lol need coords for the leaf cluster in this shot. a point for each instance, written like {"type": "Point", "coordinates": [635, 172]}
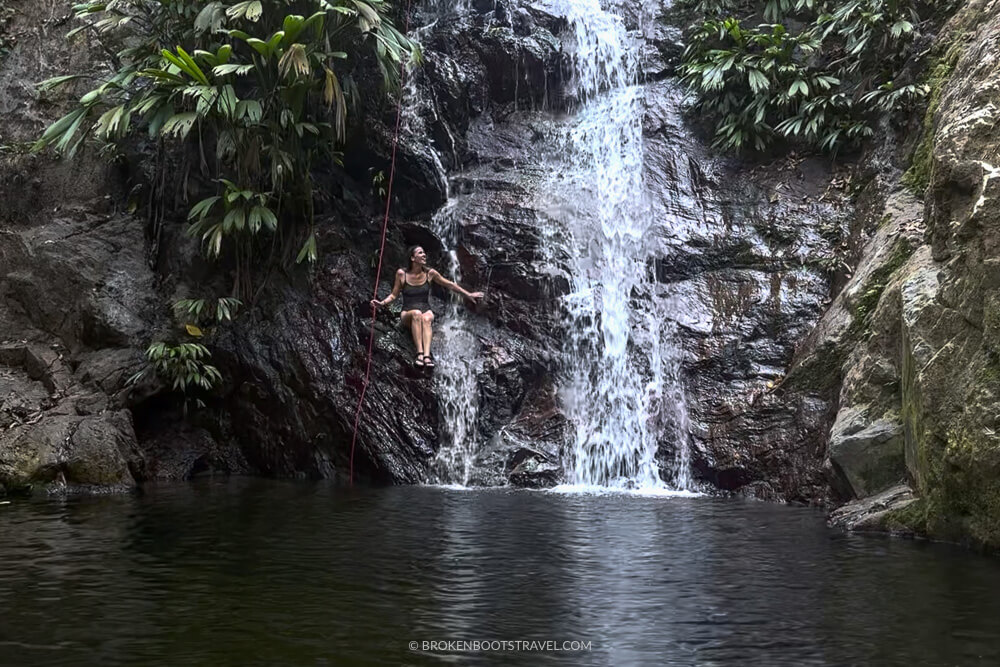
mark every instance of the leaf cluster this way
{"type": "Point", "coordinates": [822, 85]}
{"type": "Point", "coordinates": [183, 366]}
{"type": "Point", "coordinates": [198, 311]}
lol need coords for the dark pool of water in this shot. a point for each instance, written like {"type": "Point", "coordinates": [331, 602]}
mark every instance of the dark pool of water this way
{"type": "Point", "coordinates": [267, 573]}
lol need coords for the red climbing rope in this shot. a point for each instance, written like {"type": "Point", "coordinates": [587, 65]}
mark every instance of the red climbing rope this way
{"type": "Point", "coordinates": [381, 249]}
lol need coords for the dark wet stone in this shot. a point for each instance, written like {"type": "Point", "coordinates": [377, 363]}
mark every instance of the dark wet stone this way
{"type": "Point", "coordinates": [180, 451]}
{"type": "Point", "coordinates": [534, 472]}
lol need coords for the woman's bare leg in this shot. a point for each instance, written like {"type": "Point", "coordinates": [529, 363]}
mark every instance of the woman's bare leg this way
{"type": "Point", "coordinates": [412, 319]}
{"type": "Point", "coordinates": [427, 319]}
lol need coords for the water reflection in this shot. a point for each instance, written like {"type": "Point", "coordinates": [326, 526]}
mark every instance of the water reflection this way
{"type": "Point", "coordinates": [251, 572]}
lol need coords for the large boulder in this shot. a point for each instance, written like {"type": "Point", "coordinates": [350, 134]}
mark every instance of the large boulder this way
{"type": "Point", "coordinates": [868, 456]}
{"type": "Point", "coordinates": [57, 432]}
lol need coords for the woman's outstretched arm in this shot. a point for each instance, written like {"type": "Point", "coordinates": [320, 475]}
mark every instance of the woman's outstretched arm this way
{"type": "Point", "coordinates": [454, 287]}
{"type": "Point", "coordinates": [396, 286]}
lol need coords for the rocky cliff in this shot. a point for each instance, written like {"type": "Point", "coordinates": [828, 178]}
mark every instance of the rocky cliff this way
{"type": "Point", "coordinates": [917, 326]}
{"type": "Point", "coordinates": [834, 325]}
{"type": "Point", "coordinates": [86, 284]}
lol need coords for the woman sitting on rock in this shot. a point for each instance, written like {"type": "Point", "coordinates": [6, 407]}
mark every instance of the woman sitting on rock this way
{"type": "Point", "coordinates": [415, 284]}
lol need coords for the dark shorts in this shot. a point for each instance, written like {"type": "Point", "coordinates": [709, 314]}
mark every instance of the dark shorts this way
{"type": "Point", "coordinates": [422, 307]}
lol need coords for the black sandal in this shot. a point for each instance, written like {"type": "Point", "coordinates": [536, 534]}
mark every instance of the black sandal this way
{"type": "Point", "coordinates": [419, 361]}
{"type": "Point", "coordinates": [428, 361]}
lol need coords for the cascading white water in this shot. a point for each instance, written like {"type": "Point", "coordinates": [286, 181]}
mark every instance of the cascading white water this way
{"type": "Point", "coordinates": [622, 390]}
{"type": "Point", "coordinates": [455, 349]}
{"type": "Point", "coordinates": [623, 382]}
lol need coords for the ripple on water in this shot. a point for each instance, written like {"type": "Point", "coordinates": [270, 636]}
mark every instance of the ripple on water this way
{"type": "Point", "coordinates": [260, 573]}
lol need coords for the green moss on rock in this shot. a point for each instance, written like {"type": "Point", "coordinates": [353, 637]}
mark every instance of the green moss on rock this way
{"type": "Point", "coordinates": [960, 474]}
{"type": "Point", "coordinates": [960, 495]}
{"type": "Point", "coordinates": [967, 497]}
{"type": "Point", "coordinates": [819, 372]}
{"type": "Point", "coordinates": [873, 288]}
{"type": "Point", "coordinates": [910, 519]}
{"type": "Point", "coordinates": [918, 176]}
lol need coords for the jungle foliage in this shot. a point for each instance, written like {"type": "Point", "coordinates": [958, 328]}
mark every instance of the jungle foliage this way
{"type": "Point", "coordinates": [184, 366]}
{"type": "Point", "coordinates": [262, 87]}
{"type": "Point", "coordinates": [816, 72]}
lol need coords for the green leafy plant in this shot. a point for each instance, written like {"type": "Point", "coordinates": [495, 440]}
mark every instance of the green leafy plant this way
{"type": "Point", "coordinates": [261, 88]}
{"type": "Point", "coordinates": [183, 366]}
{"type": "Point", "coordinates": [379, 185]}
{"type": "Point", "coordinates": [868, 30]}
{"type": "Point", "coordinates": [755, 81]}
{"type": "Point", "coordinates": [201, 310]}
{"type": "Point", "coordinates": [711, 8]}
{"type": "Point", "coordinates": [820, 86]}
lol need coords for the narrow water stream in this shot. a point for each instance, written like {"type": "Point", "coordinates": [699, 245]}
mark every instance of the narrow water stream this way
{"type": "Point", "coordinates": [456, 352]}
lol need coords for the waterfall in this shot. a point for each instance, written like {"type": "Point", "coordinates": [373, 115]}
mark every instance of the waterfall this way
{"type": "Point", "coordinates": [456, 350]}
{"type": "Point", "coordinates": [621, 388]}
{"type": "Point", "coordinates": [454, 347]}
{"type": "Point", "coordinates": [622, 385]}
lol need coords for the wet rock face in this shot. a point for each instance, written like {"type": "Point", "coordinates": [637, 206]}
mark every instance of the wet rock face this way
{"type": "Point", "coordinates": [59, 431]}
{"type": "Point", "coordinates": [69, 279]}
{"type": "Point", "coordinates": [527, 451]}
{"type": "Point", "coordinates": [78, 300]}
{"type": "Point", "coordinates": [74, 303]}
{"type": "Point", "coordinates": [296, 370]}
{"type": "Point", "coordinates": [743, 253]}
{"type": "Point", "coordinates": [296, 377]}
{"type": "Point", "coordinates": [499, 56]}
{"type": "Point", "coordinates": [77, 306]}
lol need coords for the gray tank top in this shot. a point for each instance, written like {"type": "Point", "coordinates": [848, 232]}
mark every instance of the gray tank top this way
{"type": "Point", "coordinates": [416, 295]}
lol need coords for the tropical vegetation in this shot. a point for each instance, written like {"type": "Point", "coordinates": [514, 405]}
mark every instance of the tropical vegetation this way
{"type": "Point", "coordinates": [261, 88]}
{"type": "Point", "coordinates": [813, 72]}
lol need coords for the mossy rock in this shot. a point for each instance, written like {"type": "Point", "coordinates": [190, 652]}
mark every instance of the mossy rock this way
{"type": "Point", "coordinates": [908, 520]}
{"type": "Point", "coordinates": [969, 494]}
{"type": "Point", "coordinates": [960, 475]}
{"type": "Point", "coordinates": [918, 176]}
{"type": "Point", "coordinates": [871, 292]}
